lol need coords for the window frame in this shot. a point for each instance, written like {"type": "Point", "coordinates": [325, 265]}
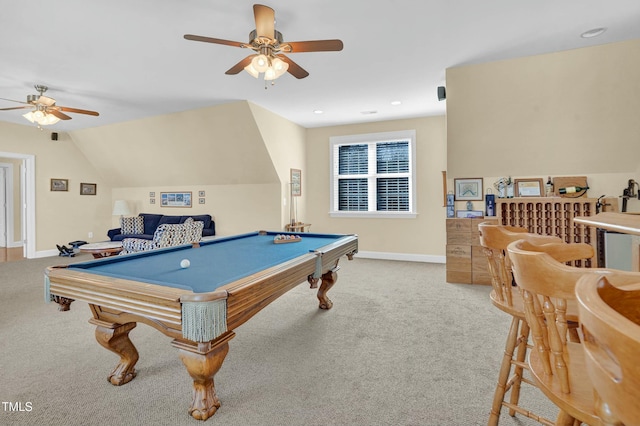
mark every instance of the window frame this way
{"type": "Point", "coordinates": [373, 139]}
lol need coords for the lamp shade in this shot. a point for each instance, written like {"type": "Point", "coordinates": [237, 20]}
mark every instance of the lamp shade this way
{"type": "Point", "coordinates": [260, 63]}
{"type": "Point", "coordinates": [41, 118]}
{"type": "Point", "coordinates": [121, 208]}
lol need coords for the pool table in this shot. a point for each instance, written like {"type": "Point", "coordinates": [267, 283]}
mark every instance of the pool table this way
{"type": "Point", "coordinates": [228, 281]}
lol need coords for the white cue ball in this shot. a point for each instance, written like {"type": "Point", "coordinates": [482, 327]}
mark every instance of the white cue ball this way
{"type": "Point", "coordinates": [184, 263]}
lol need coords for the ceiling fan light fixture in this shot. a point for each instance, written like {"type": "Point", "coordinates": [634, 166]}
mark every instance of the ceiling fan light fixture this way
{"type": "Point", "coordinates": [260, 63]}
{"type": "Point", "coordinates": [29, 116]}
{"type": "Point", "coordinates": [279, 66]}
{"type": "Point", "coordinates": [252, 71]}
{"type": "Point", "coordinates": [41, 118]}
{"type": "Point", "coordinates": [270, 74]}
{"type": "Point", "coordinates": [48, 119]}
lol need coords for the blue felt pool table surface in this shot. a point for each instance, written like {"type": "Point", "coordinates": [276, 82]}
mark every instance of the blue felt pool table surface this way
{"type": "Point", "coordinates": [215, 263]}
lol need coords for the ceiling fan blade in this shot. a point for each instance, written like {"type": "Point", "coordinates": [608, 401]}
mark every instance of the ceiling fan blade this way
{"type": "Point", "coordinates": [294, 69]}
{"type": "Point", "coordinates": [59, 114]}
{"type": "Point", "coordinates": [12, 100]}
{"type": "Point", "coordinates": [213, 40]}
{"type": "Point", "coordinates": [76, 110]}
{"type": "Point", "coordinates": [265, 20]}
{"type": "Point", "coordinates": [9, 109]}
{"type": "Point", "coordinates": [237, 68]}
{"type": "Point", "coordinates": [314, 46]}
{"type": "Point", "coordinates": [46, 101]}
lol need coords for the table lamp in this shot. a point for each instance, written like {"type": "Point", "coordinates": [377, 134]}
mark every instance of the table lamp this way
{"type": "Point", "coordinates": [121, 208]}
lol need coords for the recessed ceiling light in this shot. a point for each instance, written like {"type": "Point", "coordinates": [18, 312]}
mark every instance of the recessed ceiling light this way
{"type": "Point", "coordinates": [368, 112]}
{"type": "Point", "coordinates": [318, 111]}
{"type": "Point", "coordinates": [593, 33]}
{"type": "Point", "coordinates": [394, 103]}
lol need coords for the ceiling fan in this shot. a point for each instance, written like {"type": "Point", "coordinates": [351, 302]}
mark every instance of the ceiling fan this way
{"type": "Point", "coordinates": [268, 45]}
{"type": "Point", "coordinates": [44, 110]}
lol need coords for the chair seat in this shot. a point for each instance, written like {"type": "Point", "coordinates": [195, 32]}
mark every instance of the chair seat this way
{"type": "Point", "coordinates": [580, 402]}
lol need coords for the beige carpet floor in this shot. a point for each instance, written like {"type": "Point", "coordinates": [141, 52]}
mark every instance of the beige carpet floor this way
{"type": "Point", "coordinates": [399, 347]}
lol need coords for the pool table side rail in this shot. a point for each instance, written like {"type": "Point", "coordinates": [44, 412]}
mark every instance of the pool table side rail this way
{"type": "Point", "coordinates": [148, 300]}
{"type": "Point", "coordinates": [248, 297]}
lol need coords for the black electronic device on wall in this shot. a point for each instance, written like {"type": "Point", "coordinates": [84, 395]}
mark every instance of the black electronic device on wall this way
{"type": "Point", "coordinates": [442, 93]}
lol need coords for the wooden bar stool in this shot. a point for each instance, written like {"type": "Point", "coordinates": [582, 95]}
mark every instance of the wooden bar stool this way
{"type": "Point", "coordinates": [610, 321]}
{"type": "Point", "coordinates": [505, 296]}
{"type": "Point", "coordinates": [557, 363]}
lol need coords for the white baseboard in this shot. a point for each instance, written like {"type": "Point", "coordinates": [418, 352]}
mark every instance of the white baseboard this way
{"type": "Point", "coordinates": [407, 257]}
{"type": "Point", "coordinates": [46, 253]}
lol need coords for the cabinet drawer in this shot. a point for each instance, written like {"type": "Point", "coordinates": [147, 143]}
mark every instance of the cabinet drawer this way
{"type": "Point", "coordinates": [460, 277]}
{"type": "Point", "coordinates": [458, 225]}
{"type": "Point", "coordinates": [460, 238]}
{"type": "Point", "coordinates": [459, 251]}
{"type": "Point", "coordinates": [458, 258]}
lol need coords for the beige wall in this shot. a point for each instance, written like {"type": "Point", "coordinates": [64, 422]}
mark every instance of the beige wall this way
{"type": "Point", "coordinates": [285, 142]}
{"type": "Point", "coordinates": [236, 209]}
{"type": "Point", "coordinates": [61, 217]}
{"type": "Point", "coordinates": [217, 145]}
{"type": "Point", "coordinates": [418, 239]}
{"type": "Point", "coordinates": [567, 113]}
{"type": "Point", "coordinates": [239, 154]}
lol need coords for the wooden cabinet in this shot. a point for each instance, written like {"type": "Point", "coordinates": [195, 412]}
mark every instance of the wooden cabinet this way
{"type": "Point", "coordinates": [552, 216]}
{"type": "Point", "coordinates": [466, 263]}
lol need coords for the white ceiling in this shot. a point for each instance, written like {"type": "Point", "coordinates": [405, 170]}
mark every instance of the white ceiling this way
{"type": "Point", "coordinates": [128, 59]}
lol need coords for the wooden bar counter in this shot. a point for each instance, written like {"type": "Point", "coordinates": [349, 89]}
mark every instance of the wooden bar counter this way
{"type": "Point", "coordinates": [625, 223]}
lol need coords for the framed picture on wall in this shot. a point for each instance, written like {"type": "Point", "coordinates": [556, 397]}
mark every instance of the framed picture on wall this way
{"type": "Point", "coordinates": [296, 182]}
{"type": "Point", "coordinates": [469, 213]}
{"type": "Point", "coordinates": [59, 184]}
{"type": "Point", "coordinates": [175, 199]}
{"type": "Point", "coordinates": [469, 189]}
{"type": "Point", "coordinates": [528, 188]}
{"type": "Point", "coordinates": [88, 188]}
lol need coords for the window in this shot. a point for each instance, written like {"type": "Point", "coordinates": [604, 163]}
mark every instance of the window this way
{"type": "Point", "coordinates": [373, 175]}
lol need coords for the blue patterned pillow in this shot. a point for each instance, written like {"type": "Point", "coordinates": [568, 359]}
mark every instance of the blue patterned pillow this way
{"type": "Point", "coordinates": [132, 225]}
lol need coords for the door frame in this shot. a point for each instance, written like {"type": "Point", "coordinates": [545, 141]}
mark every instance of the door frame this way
{"type": "Point", "coordinates": [28, 201]}
{"type": "Point", "coordinates": [6, 205]}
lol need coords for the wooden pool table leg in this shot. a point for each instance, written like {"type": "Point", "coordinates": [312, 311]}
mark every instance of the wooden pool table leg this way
{"type": "Point", "coordinates": [115, 337]}
{"type": "Point", "coordinates": [329, 278]}
{"type": "Point", "coordinates": [203, 360]}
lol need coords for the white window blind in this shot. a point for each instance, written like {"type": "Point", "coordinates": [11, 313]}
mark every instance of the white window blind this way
{"type": "Point", "coordinates": [373, 174]}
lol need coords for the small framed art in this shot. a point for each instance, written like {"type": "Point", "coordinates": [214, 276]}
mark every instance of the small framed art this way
{"type": "Point", "coordinates": [59, 184]}
{"type": "Point", "coordinates": [468, 189]}
{"type": "Point", "coordinates": [469, 213]}
{"type": "Point", "coordinates": [296, 182]}
{"type": "Point", "coordinates": [528, 188]}
{"type": "Point", "coordinates": [175, 199]}
{"type": "Point", "coordinates": [88, 188]}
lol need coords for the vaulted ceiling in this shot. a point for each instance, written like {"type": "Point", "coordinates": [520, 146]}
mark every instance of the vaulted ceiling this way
{"type": "Point", "coordinates": [128, 59]}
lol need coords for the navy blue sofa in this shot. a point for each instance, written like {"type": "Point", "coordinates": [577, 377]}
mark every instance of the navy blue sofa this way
{"type": "Point", "coordinates": [152, 221]}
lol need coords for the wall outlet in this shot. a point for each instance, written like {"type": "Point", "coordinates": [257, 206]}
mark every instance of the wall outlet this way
{"type": "Point", "coordinates": [90, 234]}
